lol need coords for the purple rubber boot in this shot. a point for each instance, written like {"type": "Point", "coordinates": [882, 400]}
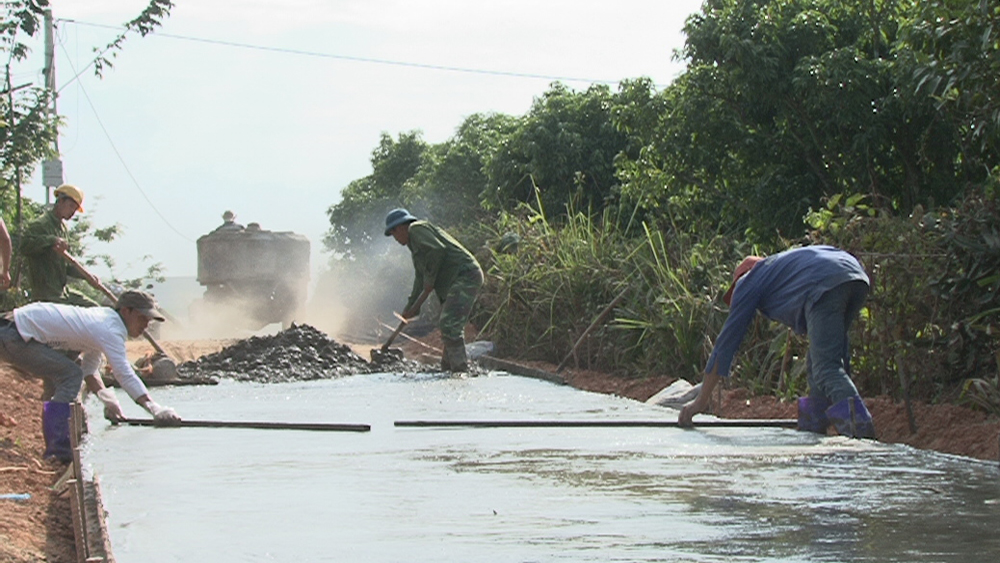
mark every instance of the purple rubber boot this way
{"type": "Point", "coordinates": [812, 414]}
{"type": "Point", "coordinates": [55, 428]}
{"type": "Point", "coordinates": [851, 418]}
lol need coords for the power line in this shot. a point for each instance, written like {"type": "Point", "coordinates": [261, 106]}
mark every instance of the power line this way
{"type": "Point", "coordinates": [350, 58]}
{"type": "Point", "coordinates": [111, 142]}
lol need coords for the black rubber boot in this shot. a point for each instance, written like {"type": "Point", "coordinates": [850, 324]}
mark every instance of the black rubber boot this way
{"type": "Point", "coordinates": [453, 357]}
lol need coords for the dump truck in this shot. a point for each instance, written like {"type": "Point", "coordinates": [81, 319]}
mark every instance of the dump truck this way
{"type": "Point", "coordinates": [252, 277]}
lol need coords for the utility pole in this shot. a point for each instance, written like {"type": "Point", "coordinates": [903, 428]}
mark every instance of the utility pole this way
{"type": "Point", "coordinates": [52, 170]}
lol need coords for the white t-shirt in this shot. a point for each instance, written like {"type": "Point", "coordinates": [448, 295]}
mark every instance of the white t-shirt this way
{"type": "Point", "coordinates": [89, 330]}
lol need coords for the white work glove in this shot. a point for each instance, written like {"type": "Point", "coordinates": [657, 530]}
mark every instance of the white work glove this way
{"type": "Point", "coordinates": [162, 415]}
{"type": "Point", "coordinates": [112, 408]}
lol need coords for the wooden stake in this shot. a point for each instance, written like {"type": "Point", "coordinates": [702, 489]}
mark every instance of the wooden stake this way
{"type": "Point", "coordinates": [593, 325]}
{"type": "Point", "coordinates": [76, 499]}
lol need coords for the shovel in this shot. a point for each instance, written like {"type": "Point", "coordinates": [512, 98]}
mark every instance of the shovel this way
{"type": "Point", "coordinates": [163, 367]}
{"type": "Point", "coordinates": [384, 354]}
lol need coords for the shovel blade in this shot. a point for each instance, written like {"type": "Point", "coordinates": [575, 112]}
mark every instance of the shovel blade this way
{"type": "Point", "coordinates": [389, 355]}
{"type": "Point", "coordinates": [164, 369]}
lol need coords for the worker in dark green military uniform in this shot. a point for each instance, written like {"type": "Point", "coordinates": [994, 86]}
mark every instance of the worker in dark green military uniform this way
{"type": "Point", "coordinates": [42, 245]}
{"type": "Point", "coordinates": [443, 265]}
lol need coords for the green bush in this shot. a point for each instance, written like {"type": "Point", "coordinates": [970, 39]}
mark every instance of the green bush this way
{"type": "Point", "coordinates": [927, 330]}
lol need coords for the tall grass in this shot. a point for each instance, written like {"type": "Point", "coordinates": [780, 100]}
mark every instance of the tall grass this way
{"type": "Point", "coordinates": [929, 325]}
{"type": "Point", "coordinates": [539, 297]}
{"type": "Point", "coordinates": [539, 300]}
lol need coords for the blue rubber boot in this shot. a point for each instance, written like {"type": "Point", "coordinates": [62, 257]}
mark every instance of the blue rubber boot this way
{"type": "Point", "coordinates": [55, 428]}
{"type": "Point", "coordinates": [851, 418]}
{"type": "Point", "coordinates": [812, 414]}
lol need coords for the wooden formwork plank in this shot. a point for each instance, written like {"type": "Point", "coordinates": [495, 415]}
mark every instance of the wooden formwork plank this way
{"type": "Point", "coordinates": [97, 524]}
{"type": "Point", "coordinates": [489, 362]}
{"type": "Point", "coordinates": [76, 515]}
{"type": "Point", "coordinates": [76, 498]}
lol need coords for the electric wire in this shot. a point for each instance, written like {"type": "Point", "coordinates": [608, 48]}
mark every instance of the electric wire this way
{"type": "Point", "coordinates": [280, 50]}
{"type": "Point", "coordinates": [118, 154]}
{"type": "Point", "coordinates": [351, 58]}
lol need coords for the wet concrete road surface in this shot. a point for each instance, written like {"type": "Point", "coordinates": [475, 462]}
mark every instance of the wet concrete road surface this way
{"type": "Point", "coordinates": [516, 494]}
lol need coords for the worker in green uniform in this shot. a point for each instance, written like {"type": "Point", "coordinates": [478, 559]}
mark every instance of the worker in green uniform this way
{"type": "Point", "coordinates": [42, 245]}
{"type": "Point", "coordinates": [444, 266]}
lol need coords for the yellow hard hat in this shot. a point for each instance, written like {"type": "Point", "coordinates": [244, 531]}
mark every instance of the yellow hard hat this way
{"type": "Point", "coordinates": [72, 192]}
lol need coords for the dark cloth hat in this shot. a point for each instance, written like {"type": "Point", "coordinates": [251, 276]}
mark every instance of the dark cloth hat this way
{"type": "Point", "coordinates": [397, 217]}
{"type": "Point", "coordinates": [142, 302]}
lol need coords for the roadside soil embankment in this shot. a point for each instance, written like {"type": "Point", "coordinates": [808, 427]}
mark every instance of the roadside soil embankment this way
{"type": "Point", "coordinates": [40, 528]}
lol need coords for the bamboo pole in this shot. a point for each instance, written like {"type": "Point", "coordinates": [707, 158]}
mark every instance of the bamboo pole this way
{"type": "Point", "coordinates": [254, 425]}
{"type": "Point", "coordinates": [593, 325]}
{"type": "Point", "coordinates": [729, 423]}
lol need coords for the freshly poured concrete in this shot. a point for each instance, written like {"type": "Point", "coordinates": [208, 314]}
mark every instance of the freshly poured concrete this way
{"type": "Point", "coordinates": [528, 494]}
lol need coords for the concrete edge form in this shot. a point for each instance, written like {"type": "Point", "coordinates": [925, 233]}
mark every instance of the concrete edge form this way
{"type": "Point", "coordinates": [95, 516]}
{"type": "Point", "coordinates": [490, 362]}
{"type": "Point", "coordinates": [90, 528]}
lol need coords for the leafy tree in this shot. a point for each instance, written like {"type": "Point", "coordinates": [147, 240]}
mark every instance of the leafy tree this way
{"type": "Point", "coordinates": [955, 47]}
{"type": "Point", "coordinates": [146, 22]}
{"type": "Point", "coordinates": [30, 129]}
{"type": "Point", "coordinates": [784, 103]}
{"type": "Point", "coordinates": [451, 184]}
{"type": "Point", "coordinates": [565, 147]}
{"type": "Point", "coordinates": [359, 216]}
{"type": "Point", "coordinates": [679, 171]}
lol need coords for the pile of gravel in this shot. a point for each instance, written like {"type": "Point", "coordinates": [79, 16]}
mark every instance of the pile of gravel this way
{"type": "Point", "coordinates": [298, 353]}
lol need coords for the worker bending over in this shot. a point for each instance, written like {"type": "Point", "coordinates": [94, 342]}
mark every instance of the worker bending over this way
{"type": "Point", "coordinates": [33, 338]}
{"type": "Point", "coordinates": [817, 291]}
{"type": "Point", "coordinates": [443, 265]}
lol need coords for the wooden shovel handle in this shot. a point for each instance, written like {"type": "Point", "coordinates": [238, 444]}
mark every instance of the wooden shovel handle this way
{"type": "Point", "coordinates": [403, 323]}
{"type": "Point", "coordinates": [96, 284]}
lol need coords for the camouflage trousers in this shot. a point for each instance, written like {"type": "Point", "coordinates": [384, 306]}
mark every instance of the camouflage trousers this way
{"type": "Point", "coordinates": [458, 304]}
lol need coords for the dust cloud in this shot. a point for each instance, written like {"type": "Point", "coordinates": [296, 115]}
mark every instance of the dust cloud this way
{"type": "Point", "coordinates": [354, 299]}
{"type": "Point", "coordinates": [230, 319]}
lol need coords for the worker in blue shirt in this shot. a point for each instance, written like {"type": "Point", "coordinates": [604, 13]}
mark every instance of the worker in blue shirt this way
{"type": "Point", "coordinates": [816, 291]}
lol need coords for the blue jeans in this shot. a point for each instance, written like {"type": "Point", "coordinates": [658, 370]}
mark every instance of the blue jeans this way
{"type": "Point", "coordinates": [41, 361]}
{"type": "Point", "coordinates": [829, 358]}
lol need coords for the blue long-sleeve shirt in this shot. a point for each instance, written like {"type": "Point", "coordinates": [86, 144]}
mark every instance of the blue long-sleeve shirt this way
{"type": "Point", "coordinates": [783, 288]}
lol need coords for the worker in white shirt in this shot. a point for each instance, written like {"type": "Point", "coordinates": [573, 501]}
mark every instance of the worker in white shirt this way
{"type": "Point", "coordinates": [34, 338]}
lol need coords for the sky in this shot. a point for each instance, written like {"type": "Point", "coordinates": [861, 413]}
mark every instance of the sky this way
{"type": "Point", "coordinates": [269, 108]}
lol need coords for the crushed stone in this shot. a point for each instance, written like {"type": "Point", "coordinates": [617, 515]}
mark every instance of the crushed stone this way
{"type": "Point", "coordinates": [299, 353]}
